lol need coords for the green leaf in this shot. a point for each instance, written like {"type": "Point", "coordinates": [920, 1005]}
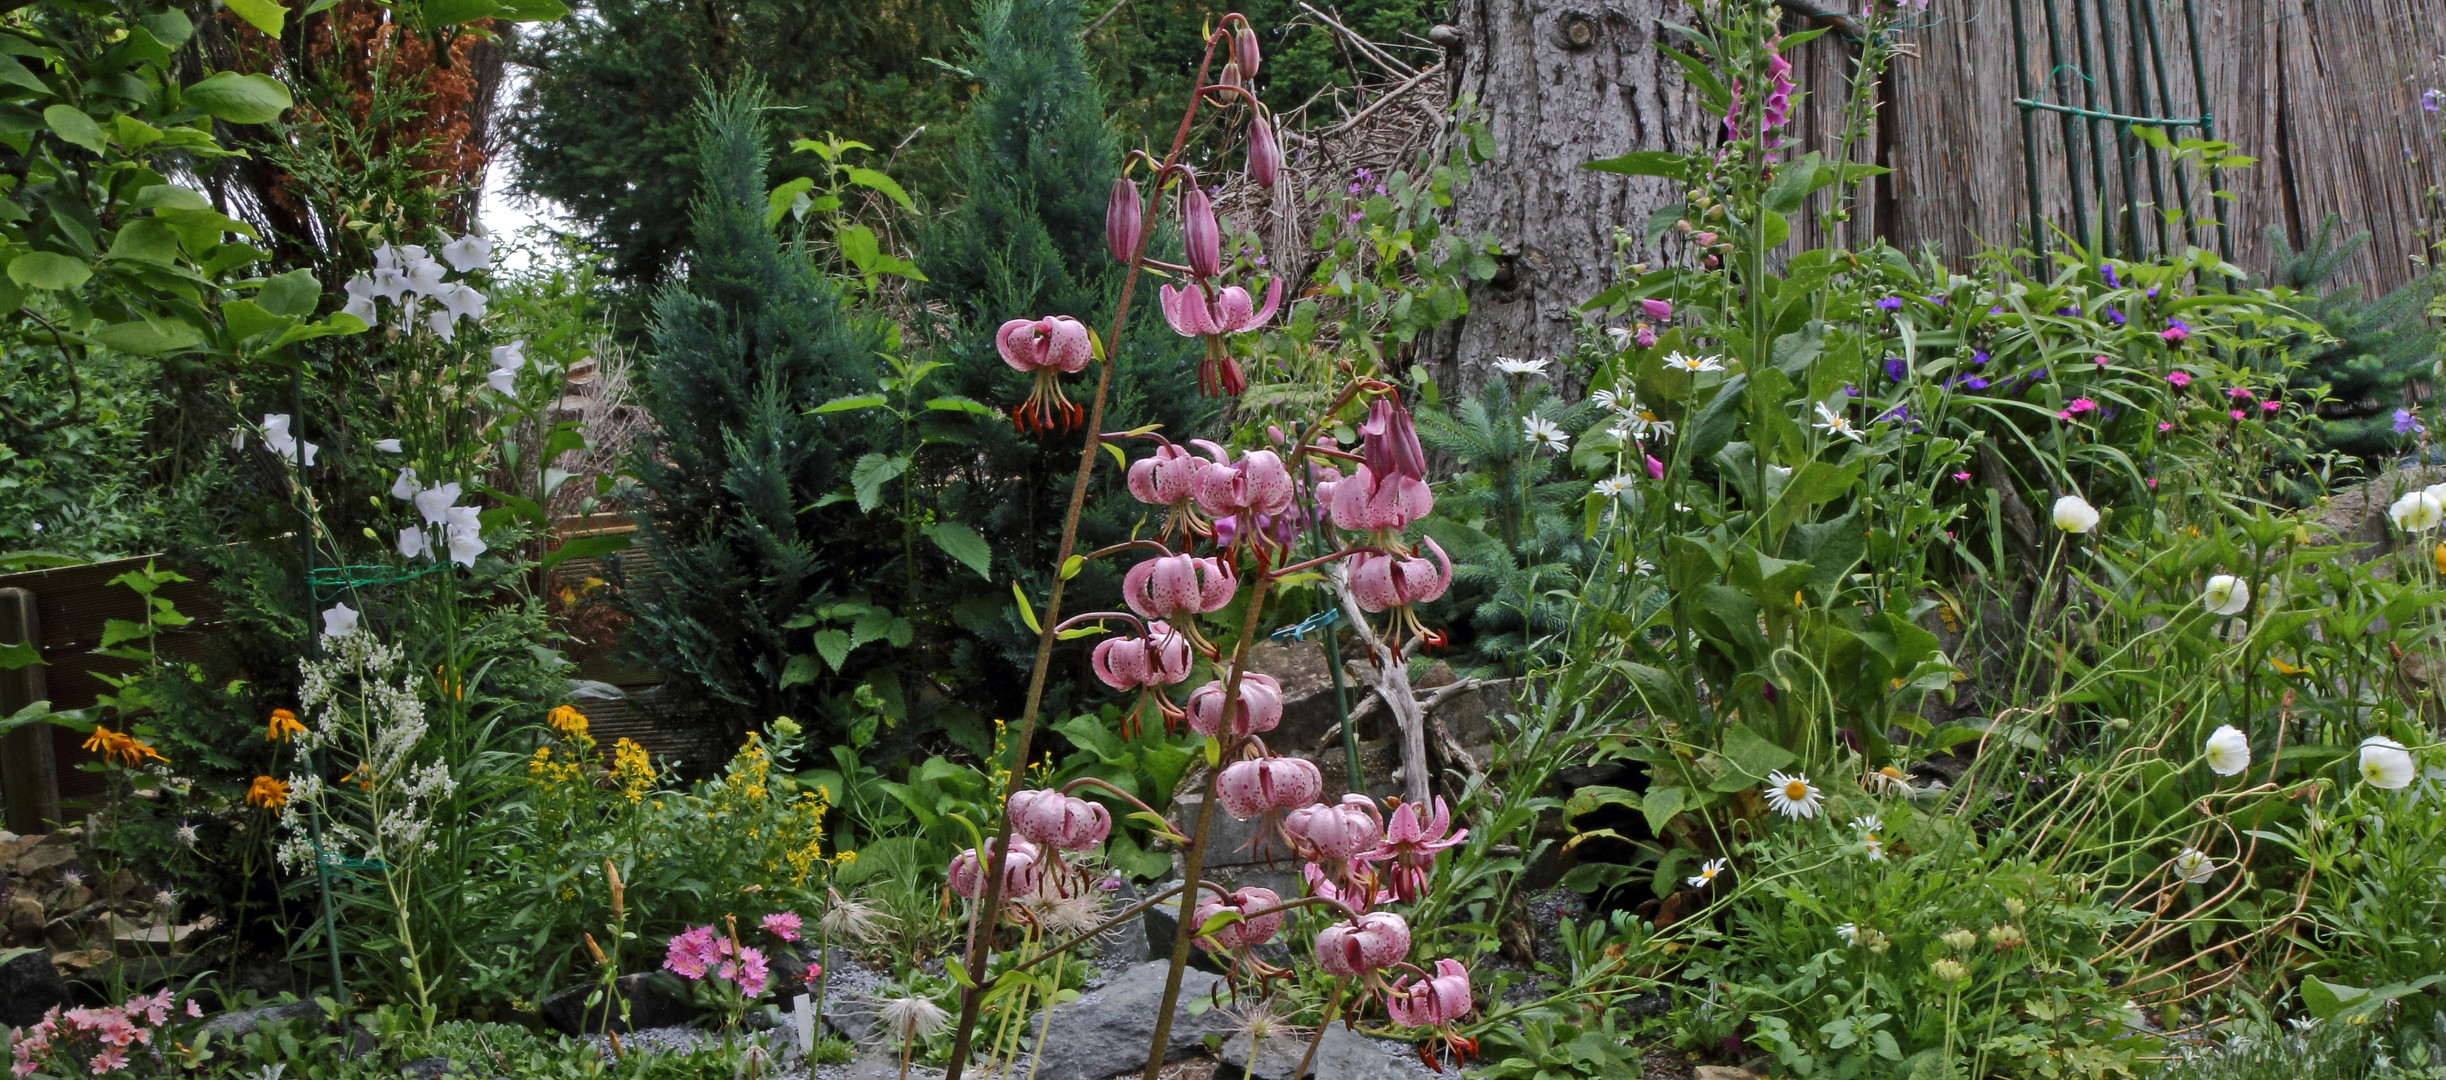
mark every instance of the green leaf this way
{"type": "Point", "coordinates": [147, 338]}
{"type": "Point", "coordinates": [1660, 805]}
{"type": "Point", "coordinates": [533, 11]}
{"type": "Point", "coordinates": [13, 73]}
{"type": "Point", "coordinates": [71, 123]}
{"type": "Point", "coordinates": [48, 270]}
{"type": "Point", "coordinates": [1027, 612]}
{"type": "Point", "coordinates": [859, 245]}
{"type": "Point", "coordinates": [1072, 565]}
{"type": "Point", "coordinates": [1753, 754]}
{"type": "Point", "coordinates": [962, 543]}
{"type": "Point", "coordinates": [294, 293]}
{"type": "Point", "coordinates": [587, 547]}
{"type": "Point", "coordinates": [145, 240]}
{"type": "Point", "coordinates": [441, 13]}
{"type": "Point", "coordinates": [2327, 1000]}
{"type": "Point", "coordinates": [835, 646]}
{"type": "Point", "coordinates": [778, 203]}
{"type": "Point", "coordinates": [240, 99]}
{"type": "Point", "coordinates": [851, 404]}
{"type": "Point", "coordinates": [870, 474]}
{"type": "Point", "coordinates": [956, 403]}
{"type": "Point", "coordinates": [1663, 163]}
{"type": "Point", "coordinates": [265, 15]}
{"type": "Point", "coordinates": [17, 654]}
{"type": "Point", "coordinates": [869, 178]}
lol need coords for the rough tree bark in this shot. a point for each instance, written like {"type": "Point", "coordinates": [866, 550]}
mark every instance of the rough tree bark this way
{"type": "Point", "coordinates": [1559, 83]}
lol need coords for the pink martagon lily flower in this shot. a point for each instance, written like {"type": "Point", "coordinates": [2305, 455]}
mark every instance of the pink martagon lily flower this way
{"type": "Point", "coordinates": [1335, 832]}
{"type": "Point", "coordinates": [1248, 789]}
{"type": "Point", "coordinates": [1379, 582]}
{"type": "Point", "coordinates": [1435, 1001]}
{"type": "Point", "coordinates": [1374, 502]}
{"type": "Point", "coordinates": [1260, 706]}
{"type": "Point", "coordinates": [1143, 663]}
{"type": "Point", "coordinates": [1371, 942]}
{"type": "Point", "coordinates": [1171, 586]}
{"type": "Point", "coordinates": [1229, 311]}
{"type": "Point", "coordinates": [1257, 483]}
{"type": "Point", "coordinates": [1411, 846]}
{"type": "Point", "coordinates": [1048, 818]}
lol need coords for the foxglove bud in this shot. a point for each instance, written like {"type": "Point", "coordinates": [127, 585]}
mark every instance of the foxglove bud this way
{"type": "Point", "coordinates": [1264, 153]}
{"type": "Point", "coordinates": [1122, 219]}
{"type": "Point", "coordinates": [1200, 233]}
{"type": "Point", "coordinates": [1244, 51]}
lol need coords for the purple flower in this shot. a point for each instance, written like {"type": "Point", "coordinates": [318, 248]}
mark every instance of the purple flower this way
{"type": "Point", "coordinates": [2109, 271]}
{"type": "Point", "coordinates": [2405, 422]}
{"type": "Point", "coordinates": [1978, 357]}
{"type": "Point", "coordinates": [1970, 382]}
{"type": "Point", "coordinates": [1891, 303]}
{"type": "Point", "coordinates": [2069, 309]}
{"type": "Point", "coordinates": [2176, 332]}
{"type": "Point", "coordinates": [1850, 390]}
{"type": "Point", "coordinates": [2180, 379]}
{"type": "Point", "coordinates": [2430, 99]}
{"type": "Point", "coordinates": [1895, 369]}
{"type": "Point", "coordinates": [2114, 316]}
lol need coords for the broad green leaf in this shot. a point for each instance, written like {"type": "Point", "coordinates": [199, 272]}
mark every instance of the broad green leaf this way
{"type": "Point", "coordinates": [1643, 163]}
{"type": "Point", "coordinates": [441, 13]}
{"type": "Point", "coordinates": [587, 547]}
{"type": "Point", "coordinates": [48, 270]}
{"type": "Point", "coordinates": [851, 404]}
{"type": "Point", "coordinates": [778, 203]}
{"type": "Point", "coordinates": [834, 644]}
{"type": "Point", "coordinates": [145, 240]}
{"type": "Point", "coordinates": [294, 293]}
{"type": "Point", "coordinates": [869, 178]}
{"type": "Point", "coordinates": [962, 543]}
{"type": "Point", "coordinates": [71, 123]}
{"type": "Point", "coordinates": [1753, 754]}
{"type": "Point", "coordinates": [870, 474]}
{"type": "Point", "coordinates": [533, 11]}
{"type": "Point", "coordinates": [265, 15]}
{"type": "Point", "coordinates": [17, 654]}
{"type": "Point", "coordinates": [240, 99]}
{"type": "Point", "coordinates": [1660, 805]}
{"type": "Point", "coordinates": [143, 338]}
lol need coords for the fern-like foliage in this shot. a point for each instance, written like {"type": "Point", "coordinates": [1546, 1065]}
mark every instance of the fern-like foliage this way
{"type": "Point", "coordinates": [1507, 516]}
{"type": "Point", "coordinates": [2380, 345]}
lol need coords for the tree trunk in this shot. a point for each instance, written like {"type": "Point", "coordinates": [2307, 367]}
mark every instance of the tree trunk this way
{"type": "Point", "coordinates": [1559, 83]}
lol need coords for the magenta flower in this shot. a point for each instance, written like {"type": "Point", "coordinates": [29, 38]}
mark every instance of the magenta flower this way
{"type": "Point", "coordinates": [814, 972]}
{"type": "Point", "coordinates": [1021, 870]}
{"type": "Point", "coordinates": [1411, 847]}
{"type": "Point", "coordinates": [1193, 313]}
{"type": "Point", "coordinates": [2165, 427]}
{"type": "Point", "coordinates": [1389, 443]}
{"type": "Point", "coordinates": [1370, 502]}
{"type": "Point", "coordinates": [1201, 235]}
{"type": "Point", "coordinates": [1258, 483]}
{"type": "Point", "coordinates": [1658, 310]}
{"type": "Point", "coordinates": [1379, 582]}
{"type": "Point", "coordinates": [1436, 1001]}
{"type": "Point", "coordinates": [1371, 942]}
{"type": "Point", "coordinates": [782, 924]}
{"type": "Point", "coordinates": [2235, 413]}
{"type": "Point", "coordinates": [1360, 896]}
{"type": "Point", "coordinates": [1048, 348]}
{"type": "Point", "coordinates": [1249, 789]}
{"type": "Point", "coordinates": [1645, 338]}
{"type": "Point", "coordinates": [2239, 393]}
{"type": "Point", "coordinates": [690, 954]}
{"type": "Point", "coordinates": [2180, 379]}
{"type": "Point", "coordinates": [1337, 832]}
{"type": "Point", "coordinates": [2176, 332]}
{"type": "Point", "coordinates": [1175, 586]}
{"type": "Point", "coordinates": [1167, 478]}
{"type": "Point", "coordinates": [1656, 469]}
{"type": "Point", "coordinates": [1050, 819]}
{"type": "Point", "coordinates": [1142, 663]}
{"type": "Point", "coordinates": [2270, 406]}
{"type": "Point", "coordinates": [1258, 711]}
{"type": "Point", "coordinates": [748, 969]}
{"type": "Point", "coordinates": [1246, 932]}
{"type": "Point", "coordinates": [1264, 152]}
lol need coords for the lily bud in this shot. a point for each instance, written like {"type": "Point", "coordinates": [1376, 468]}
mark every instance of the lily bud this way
{"type": "Point", "coordinates": [1231, 74]}
{"type": "Point", "coordinates": [1264, 154]}
{"type": "Point", "coordinates": [1200, 233]}
{"type": "Point", "coordinates": [1244, 51]}
{"type": "Point", "coordinates": [1122, 219]}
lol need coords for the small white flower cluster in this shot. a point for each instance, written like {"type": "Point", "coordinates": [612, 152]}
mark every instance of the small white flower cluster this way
{"type": "Point", "coordinates": [409, 277]}
{"type": "Point", "coordinates": [361, 702]}
{"type": "Point", "coordinates": [461, 531]}
{"type": "Point", "coordinates": [1631, 419]}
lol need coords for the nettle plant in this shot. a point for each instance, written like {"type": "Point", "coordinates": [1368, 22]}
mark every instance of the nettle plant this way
{"type": "Point", "coordinates": [1227, 528]}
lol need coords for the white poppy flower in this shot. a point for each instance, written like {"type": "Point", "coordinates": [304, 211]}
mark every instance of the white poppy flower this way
{"type": "Point", "coordinates": [435, 502]}
{"type": "Point", "coordinates": [2194, 866]}
{"type": "Point", "coordinates": [2417, 512]}
{"type": "Point", "coordinates": [1540, 432]}
{"type": "Point", "coordinates": [2226, 595]}
{"type": "Point", "coordinates": [2385, 764]}
{"type": "Point", "coordinates": [1514, 366]}
{"type": "Point", "coordinates": [389, 446]}
{"type": "Point", "coordinates": [468, 253]}
{"type": "Point", "coordinates": [1707, 874]}
{"type": "Point", "coordinates": [1792, 796]}
{"type": "Point", "coordinates": [404, 489]}
{"type": "Point", "coordinates": [339, 621]}
{"type": "Point", "coordinates": [413, 543]}
{"type": "Point", "coordinates": [2228, 751]}
{"type": "Point", "coordinates": [2073, 514]}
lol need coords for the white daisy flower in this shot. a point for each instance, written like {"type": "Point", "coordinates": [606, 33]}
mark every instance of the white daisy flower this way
{"type": "Point", "coordinates": [1693, 364]}
{"type": "Point", "coordinates": [1867, 824]}
{"type": "Point", "coordinates": [1515, 366]}
{"type": "Point", "coordinates": [1614, 487]}
{"type": "Point", "coordinates": [2228, 751]}
{"type": "Point", "coordinates": [1707, 874]}
{"type": "Point", "coordinates": [1835, 423]}
{"type": "Point", "coordinates": [2194, 866]}
{"type": "Point", "coordinates": [1849, 933]}
{"type": "Point", "coordinates": [1792, 796]}
{"type": "Point", "coordinates": [1542, 433]}
{"type": "Point", "coordinates": [1609, 400]}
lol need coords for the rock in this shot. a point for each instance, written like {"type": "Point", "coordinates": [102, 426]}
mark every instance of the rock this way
{"type": "Point", "coordinates": [433, 1068]}
{"type": "Point", "coordinates": [44, 860]}
{"type": "Point", "coordinates": [25, 918]}
{"type": "Point", "coordinates": [1721, 1072]}
{"type": "Point", "coordinates": [229, 1027]}
{"type": "Point", "coordinates": [83, 959]}
{"type": "Point", "coordinates": [1308, 711]}
{"type": "Point", "coordinates": [29, 987]}
{"type": "Point", "coordinates": [1228, 842]}
{"type": "Point", "coordinates": [120, 885]}
{"type": "Point", "coordinates": [880, 1065]}
{"type": "Point", "coordinates": [1106, 1031]}
{"type": "Point", "coordinates": [136, 939]}
{"type": "Point", "coordinates": [1340, 1055]}
{"type": "Point", "coordinates": [13, 845]}
{"type": "Point", "coordinates": [651, 1005]}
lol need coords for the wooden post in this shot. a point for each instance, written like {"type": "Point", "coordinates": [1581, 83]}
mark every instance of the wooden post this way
{"type": "Point", "coordinates": [29, 774]}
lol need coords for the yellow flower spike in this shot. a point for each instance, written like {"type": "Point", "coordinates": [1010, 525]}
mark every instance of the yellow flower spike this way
{"type": "Point", "coordinates": [282, 725]}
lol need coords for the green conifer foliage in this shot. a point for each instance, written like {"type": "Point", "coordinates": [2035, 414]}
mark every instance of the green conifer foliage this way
{"type": "Point", "coordinates": [1037, 157]}
{"type": "Point", "coordinates": [2381, 345]}
{"type": "Point", "coordinates": [741, 349]}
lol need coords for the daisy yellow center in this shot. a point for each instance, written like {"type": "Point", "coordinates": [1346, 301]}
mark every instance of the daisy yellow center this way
{"type": "Point", "coordinates": [1796, 790]}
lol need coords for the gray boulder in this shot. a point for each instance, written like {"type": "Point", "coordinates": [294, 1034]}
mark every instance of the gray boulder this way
{"type": "Point", "coordinates": [232, 1026]}
{"type": "Point", "coordinates": [1340, 1055]}
{"type": "Point", "coordinates": [29, 987]}
{"type": "Point", "coordinates": [1107, 1030]}
{"type": "Point", "coordinates": [651, 1005]}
